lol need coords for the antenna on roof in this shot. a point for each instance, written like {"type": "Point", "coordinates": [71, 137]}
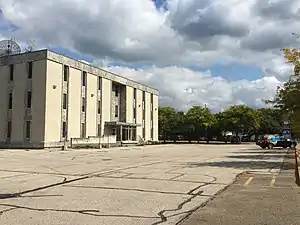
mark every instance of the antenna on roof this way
{"type": "Point", "coordinates": [31, 45]}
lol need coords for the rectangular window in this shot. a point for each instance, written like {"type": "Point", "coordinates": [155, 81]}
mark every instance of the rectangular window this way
{"type": "Point", "coordinates": [66, 73]}
{"type": "Point", "coordinates": [134, 113]}
{"type": "Point", "coordinates": [29, 96]}
{"type": "Point", "coordinates": [151, 133]}
{"type": "Point", "coordinates": [82, 130]}
{"type": "Point", "coordinates": [10, 100]}
{"type": "Point", "coordinates": [134, 133]}
{"type": "Point", "coordinates": [11, 72]}
{"type": "Point", "coordinates": [99, 83]}
{"type": "Point", "coordinates": [143, 105]}
{"type": "Point", "coordinates": [116, 111]}
{"type": "Point", "coordinates": [134, 93]}
{"type": "Point", "coordinates": [117, 92]}
{"type": "Point", "coordinates": [83, 105]}
{"type": "Point", "coordinates": [151, 105]}
{"type": "Point", "coordinates": [8, 130]}
{"type": "Point", "coordinates": [83, 78]}
{"type": "Point", "coordinates": [28, 129]}
{"type": "Point", "coordinates": [64, 129]}
{"type": "Point", "coordinates": [99, 130]}
{"type": "Point", "coordinates": [65, 101]}
{"type": "Point", "coordinates": [29, 70]}
{"type": "Point", "coordinates": [99, 107]}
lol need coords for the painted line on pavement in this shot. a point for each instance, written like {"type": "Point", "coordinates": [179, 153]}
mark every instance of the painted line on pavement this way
{"type": "Point", "coordinates": [248, 181]}
{"type": "Point", "coordinates": [273, 181]}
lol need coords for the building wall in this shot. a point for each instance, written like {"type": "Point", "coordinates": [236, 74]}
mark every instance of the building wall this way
{"type": "Point", "coordinates": [155, 117]}
{"type": "Point", "coordinates": [106, 102]}
{"type": "Point", "coordinates": [19, 101]}
{"type": "Point", "coordinates": [74, 103]}
{"type": "Point", "coordinates": [129, 104]}
{"type": "Point", "coordinates": [91, 107]}
{"type": "Point", "coordinates": [38, 84]}
{"type": "Point", "coordinates": [4, 70]}
{"type": "Point", "coordinates": [147, 116]}
{"type": "Point", "coordinates": [19, 87]}
{"type": "Point", "coordinates": [53, 112]}
{"type": "Point", "coordinates": [139, 113]}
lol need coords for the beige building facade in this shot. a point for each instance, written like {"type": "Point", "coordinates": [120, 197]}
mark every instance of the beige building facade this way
{"type": "Point", "coordinates": [48, 100]}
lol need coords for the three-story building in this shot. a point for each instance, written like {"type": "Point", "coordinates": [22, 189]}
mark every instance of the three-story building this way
{"type": "Point", "coordinates": [47, 99]}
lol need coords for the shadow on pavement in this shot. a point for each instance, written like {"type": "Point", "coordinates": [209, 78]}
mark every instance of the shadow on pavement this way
{"type": "Point", "coordinates": [278, 156]}
{"type": "Point", "coordinates": [275, 151]}
{"type": "Point", "coordinates": [252, 162]}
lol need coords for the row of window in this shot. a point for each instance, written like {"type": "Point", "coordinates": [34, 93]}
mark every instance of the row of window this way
{"type": "Point", "coordinates": [28, 100]}
{"type": "Point", "coordinates": [12, 69]}
{"type": "Point", "coordinates": [27, 129]}
{"type": "Point", "coordinates": [66, 73]}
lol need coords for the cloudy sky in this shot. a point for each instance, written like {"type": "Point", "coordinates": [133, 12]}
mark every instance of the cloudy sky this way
{"type": "Point", "coordinates": [195, 52]}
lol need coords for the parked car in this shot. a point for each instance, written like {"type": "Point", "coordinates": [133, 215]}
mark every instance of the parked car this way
{"type": "Point", "coordinates": [270, 141]}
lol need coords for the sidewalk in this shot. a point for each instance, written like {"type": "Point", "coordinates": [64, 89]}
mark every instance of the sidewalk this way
{"type": "Point", "coordinates": [255, 199]}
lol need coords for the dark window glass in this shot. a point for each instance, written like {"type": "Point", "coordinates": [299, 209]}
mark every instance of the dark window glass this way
{"type": "Point", "coordinates": [8, 130]}
{"type": "Point", "coordinates": [66, 73]}
{"type": "Point", "coordinates": [65, 101]}
{"type": "Point", "coordinates": [11, 72]}
{"type": "Point", "coordinates": [83, 78]}
{"type": "Point", "coordinates": [99, 130]}
{"type": "Point", "coordinates": [28, 129]}
{"type": "Point", "coordinates": [64, 129]}
{"type": "Point", "coordinates": [99, 107]}
{"type": "Point", "coordinates": [82, 130]}
{"type": "Point", "coordinates": [116, 111]}
{"type": "Point", "coordinates": [29, 70]}
{"type": "Point", "coordinates": [10, 99]}
{"type": "Point", "coordinates": [134, 133]}
{"type": "Point", "coordinates": [83, 105]}
{"type": "Point", "coordinates": [29, 96]}
{"type": "Point", "coordinates": [99, 83]}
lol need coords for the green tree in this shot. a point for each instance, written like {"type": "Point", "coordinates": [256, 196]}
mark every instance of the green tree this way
{"type": "Point", "coordinates": [240, 119]}
{"type": "Point", "coordinates": [167, 120]}
{"type": "Point", "coordinates": [287, 97]}
{"type": "Point", "coordinates": [270, 121]}
{"type": "Point", "coordinates": [202, 119]}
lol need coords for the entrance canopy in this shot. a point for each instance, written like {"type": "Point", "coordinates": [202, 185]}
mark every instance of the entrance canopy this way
{"type": "Point", "coordinates": [124, 131]}
{"type": "Point", "coordinates": [118, 124]}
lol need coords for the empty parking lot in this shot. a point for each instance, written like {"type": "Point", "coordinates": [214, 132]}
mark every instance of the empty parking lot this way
{"type": "Point", "coordinates": [131, 185]}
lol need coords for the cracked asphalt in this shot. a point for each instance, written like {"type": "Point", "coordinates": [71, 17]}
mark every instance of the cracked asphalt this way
{"type": "Point", "coordinates": [148, 185]}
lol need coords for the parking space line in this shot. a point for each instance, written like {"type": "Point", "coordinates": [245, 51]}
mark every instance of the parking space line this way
{"type": "Point", "coordinates": [273, 181]}
{"type": "Point", "coordinates": [248, 181]}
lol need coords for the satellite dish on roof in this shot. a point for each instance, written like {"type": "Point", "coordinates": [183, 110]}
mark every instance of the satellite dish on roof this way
{"type": "Point", "coordinates": [9, 47]}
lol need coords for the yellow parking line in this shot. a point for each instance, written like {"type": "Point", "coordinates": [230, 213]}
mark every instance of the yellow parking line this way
{"type": "Point", "coordinates": [273, 181]}
{"type": "Point", "coordinates": [248, 181]}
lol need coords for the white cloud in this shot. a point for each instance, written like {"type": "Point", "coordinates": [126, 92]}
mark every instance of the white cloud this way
{"type": "Point", "coordinates": [191, 32]}
{"type": "Point", "coordinates": [182, 88]}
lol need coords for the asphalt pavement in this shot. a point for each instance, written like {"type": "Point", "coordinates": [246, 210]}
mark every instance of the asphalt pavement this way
{"type": "Point", "coordinates": [254, 199]}
{"type": "Point", "coordinates": [147, 185]}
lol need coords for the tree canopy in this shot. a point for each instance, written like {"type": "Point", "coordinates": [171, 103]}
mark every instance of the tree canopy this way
{"type": "Point", "coordinates": [287, 98]}
{"type": "Point", "coordinates": [199, 122]}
